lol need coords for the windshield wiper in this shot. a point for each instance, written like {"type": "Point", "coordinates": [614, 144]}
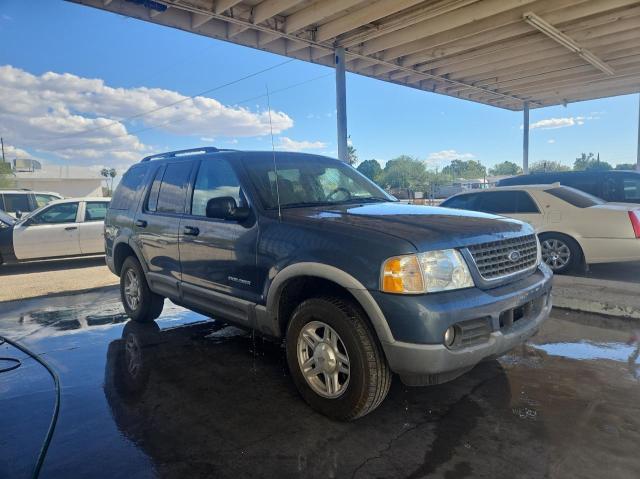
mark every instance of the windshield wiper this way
{"type": "Point", "coordinates": [367, 199]}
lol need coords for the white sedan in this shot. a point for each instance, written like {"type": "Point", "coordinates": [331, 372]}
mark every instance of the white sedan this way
{"type": "Point", "coordinates": [574, 227]}
{"type": "Point", "coordinates": [69, 227]}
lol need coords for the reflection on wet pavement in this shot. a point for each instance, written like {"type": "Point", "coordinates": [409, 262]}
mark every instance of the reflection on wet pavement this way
{"type": "Point", "coordinates": [191, 397]}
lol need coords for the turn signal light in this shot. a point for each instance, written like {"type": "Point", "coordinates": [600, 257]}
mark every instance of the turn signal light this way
{"type": "Point", "coordinates": [402, 274]}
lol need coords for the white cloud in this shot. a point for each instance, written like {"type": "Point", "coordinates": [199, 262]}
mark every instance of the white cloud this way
{"type": "Point", "coordinates": [448, 155]}
{"type": "Point", "coordinates": [564, 122]}
{"type": "Point", "coordinates": [207, 139]}
{"type": "Point", "coordinates": [288, 144]}
{"type": "Point", "coordinates": [51, 113]}
{"type": "Point", "coordinates": [551, 141]}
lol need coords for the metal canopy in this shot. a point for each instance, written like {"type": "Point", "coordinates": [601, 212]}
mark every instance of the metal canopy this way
{"type": "Point", "coordinates": [497, 52]}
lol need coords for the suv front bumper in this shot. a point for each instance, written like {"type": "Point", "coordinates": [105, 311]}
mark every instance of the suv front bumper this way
{"type": "Point", "coordinates": [426, 360]}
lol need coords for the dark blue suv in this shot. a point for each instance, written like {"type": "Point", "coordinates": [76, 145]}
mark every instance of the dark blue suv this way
{"type": "Point", "coordinates": [305, 248]}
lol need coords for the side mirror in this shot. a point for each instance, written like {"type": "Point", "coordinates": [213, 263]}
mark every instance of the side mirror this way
{"type": "Point", "coordinates": [18, 214]}
{"type": "Point", "coordinates": [226, 208]}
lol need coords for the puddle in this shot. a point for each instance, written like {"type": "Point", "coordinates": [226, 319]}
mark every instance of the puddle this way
{"type": "Point", "coordinates": [585, 350]}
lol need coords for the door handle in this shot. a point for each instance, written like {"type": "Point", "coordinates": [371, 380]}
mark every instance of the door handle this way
{"type": "Point", "coordinates": [141, 223]}
{"type": "Point", "coordinates": [71, 228]}
{"type": "Point", "coordinates": [191, 230]}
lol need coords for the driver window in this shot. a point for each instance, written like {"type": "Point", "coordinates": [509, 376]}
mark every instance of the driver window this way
{"type": "Point", "coordinates": [56, 214]}
{"type": "Point", "coordinates": [215, 179]}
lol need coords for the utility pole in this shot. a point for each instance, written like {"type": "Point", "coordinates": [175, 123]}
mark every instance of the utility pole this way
{"type": "Point", "coordinates": [2, 144]}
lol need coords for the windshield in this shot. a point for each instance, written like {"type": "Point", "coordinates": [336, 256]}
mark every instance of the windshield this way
{"type": "Point", "coordinates": [311, 181]}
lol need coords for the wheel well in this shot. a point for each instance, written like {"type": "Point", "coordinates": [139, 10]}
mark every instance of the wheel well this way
{"type": "Point", "coordinates": [121, 253]}
{"type": "Point", "coordinates": [300, 288]}
{"type": "Point", "coordinates": [557, 233]}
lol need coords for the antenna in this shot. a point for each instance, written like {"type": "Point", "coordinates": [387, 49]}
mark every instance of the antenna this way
{"type": "Point", "coordinates": [273, 150]}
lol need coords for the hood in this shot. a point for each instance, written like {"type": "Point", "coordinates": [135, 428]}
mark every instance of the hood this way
{"type": "Point", "coordinates": [426, 227]}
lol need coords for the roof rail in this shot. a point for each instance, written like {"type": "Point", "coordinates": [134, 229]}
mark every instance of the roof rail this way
{"type": "Point", "coordinates": [174, 154]}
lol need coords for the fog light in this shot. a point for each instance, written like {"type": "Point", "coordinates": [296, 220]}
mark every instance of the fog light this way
{"type": "Point", "coordinates": [450, 336]}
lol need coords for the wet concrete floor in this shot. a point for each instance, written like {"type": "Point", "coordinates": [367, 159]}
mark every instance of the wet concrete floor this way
{"type": "Point", "coordinates": [194, 398]}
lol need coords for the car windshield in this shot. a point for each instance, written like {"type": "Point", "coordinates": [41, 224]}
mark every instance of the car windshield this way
{"type": "Point", "coordinates": [311, 181]}
{"type": "Point", "coordinates": [574, 197]}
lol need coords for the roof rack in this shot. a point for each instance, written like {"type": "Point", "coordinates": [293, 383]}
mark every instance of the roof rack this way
{"type": "Point", "coordinates": [174, 154]}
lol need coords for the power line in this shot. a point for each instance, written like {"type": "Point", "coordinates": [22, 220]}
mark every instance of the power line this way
{"type": "Point", "coordinates": [190, 97]}
{"type": "Point", "coordinates": [152, 127]}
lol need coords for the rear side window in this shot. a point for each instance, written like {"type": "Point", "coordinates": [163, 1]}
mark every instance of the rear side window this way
{"type": "Point", "coordinates": [125, 193]}
{"type": "Point", "coordinates": [96, 211]}
{"type": "Point", "coordinates": [173, 189]}
{"type": "Point", "coordinates": [579, 199]}
{"type": "Point", "coordinates": [16, 202]}
{"type": "Point", "coordinates": [507, 202]}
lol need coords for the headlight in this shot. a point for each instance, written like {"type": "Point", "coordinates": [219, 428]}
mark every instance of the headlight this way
{"type": "Point", "coordinates": [428, 272]}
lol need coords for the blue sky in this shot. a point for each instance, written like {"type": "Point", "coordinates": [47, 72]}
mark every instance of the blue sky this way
{"type": "Point", "coordinates": [385, 120]}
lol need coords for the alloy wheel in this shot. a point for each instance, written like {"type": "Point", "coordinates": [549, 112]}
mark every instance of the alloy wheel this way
{"type": "Point", "coordinates": [555, 253]}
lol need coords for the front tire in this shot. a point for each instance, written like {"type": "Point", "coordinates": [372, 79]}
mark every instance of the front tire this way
{"type": "Point", "coordinates": [335, 360]}
{"type": "Point", "coordinates": [140, 303]}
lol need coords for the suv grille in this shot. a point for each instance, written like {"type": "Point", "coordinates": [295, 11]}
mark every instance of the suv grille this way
{"type": "Point", "coordinates": [502, 258]}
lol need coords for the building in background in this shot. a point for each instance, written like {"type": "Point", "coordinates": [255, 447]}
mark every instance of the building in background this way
{"type": "Point", "coordinates": [68, 181]}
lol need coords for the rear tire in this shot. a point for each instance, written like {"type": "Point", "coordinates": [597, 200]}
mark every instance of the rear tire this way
{"type": "Point", "coordinates": [560, 252]}
{"type": "Point", "coordinates": [347, 375]}
{"type": "Point", "coordinates": [140, 303]}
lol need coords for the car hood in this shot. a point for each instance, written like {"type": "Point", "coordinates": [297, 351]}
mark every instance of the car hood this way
{"type": "Point", "coordinates": [426, 227]}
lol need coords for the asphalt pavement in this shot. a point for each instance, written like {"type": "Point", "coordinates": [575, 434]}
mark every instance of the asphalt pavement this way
{"type": "Point", "coordinates": [191, 397]}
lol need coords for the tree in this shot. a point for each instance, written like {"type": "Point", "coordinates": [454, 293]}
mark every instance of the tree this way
{"type": "Point", "coordinates": [352, 155]}
{"type": "Point", "coordinates": [589, 162]}
{"type": "Point", "coordinates": [371, 169]}
{"type": "Point", "coordinates": [109, 175]}
{"type": "Point", "coordinates": [542, 166]}
{"type": "Point", "coordinates": [404, 172]}
{"type": "Point", "coordinates": [465, 169]}
{"type": "Point", "coordinates": [626, 166]}
{"type": "Point", "coordinates": [505, 168]}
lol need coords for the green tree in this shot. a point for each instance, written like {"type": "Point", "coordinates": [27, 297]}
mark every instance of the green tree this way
{"type": "Point", "coordinates": [404, 172]}
{"type": "Point", "coordinates": [589, 162]}
{"type": "Point", "coordinates": [464, 169]}
{"type": "Point", "coordinates": [109, 175]}
{"type": "Point", "coordinates": [5, 175]}
{"type": "Point", "coordinates": [505, 168]}
{"type": "Point", "coordinates": [371, 169]}
{"type": "Point", "coordinates": [542, 166]}
{"type": "Point", "coordinates": [626, 166]}
{"type": "Point", "coordinates": [352, 153]}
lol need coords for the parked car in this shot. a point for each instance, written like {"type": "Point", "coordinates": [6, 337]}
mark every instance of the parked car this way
{"type": "Point", "coordinates": [614, 186]}
{"type": "Point", "coordinates": [71, 227]}
{"type": "Point", "coordinates": [574, 227]}
{"type": "Point", "coordinates": [304, 247]}
{"type": "Point", "coordinates": [18, 202]}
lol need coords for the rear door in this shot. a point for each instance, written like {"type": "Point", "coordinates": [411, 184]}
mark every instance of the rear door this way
{"type": "Point", "coordinates": [216, 254]}
{"type": "Point", "coordinates": [51, 232]}
{"type": "Point", "coordinates": [157, 225]}
{"type": "Point", "coordinates": [91, 228]}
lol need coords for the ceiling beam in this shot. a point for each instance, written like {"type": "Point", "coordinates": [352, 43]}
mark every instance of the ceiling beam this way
{"type": "Point", "coordinates": [222, 6]}
{"type": "Point", "coordinates": [199, 19]}
{"type": "Point", "coordinates": [552, 32]}
{"type": "Point", "coordinates": [315, 13]}
{"type": "Point", "coordinates": [362, 16]}
{"type": "Point", "coordinates": [270, 8]}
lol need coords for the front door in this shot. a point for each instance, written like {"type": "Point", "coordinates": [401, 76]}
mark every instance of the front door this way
{"type": "Point", "coordinates": [51, 232]}
{"type": "Point", "coordinates": [218, 255]}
